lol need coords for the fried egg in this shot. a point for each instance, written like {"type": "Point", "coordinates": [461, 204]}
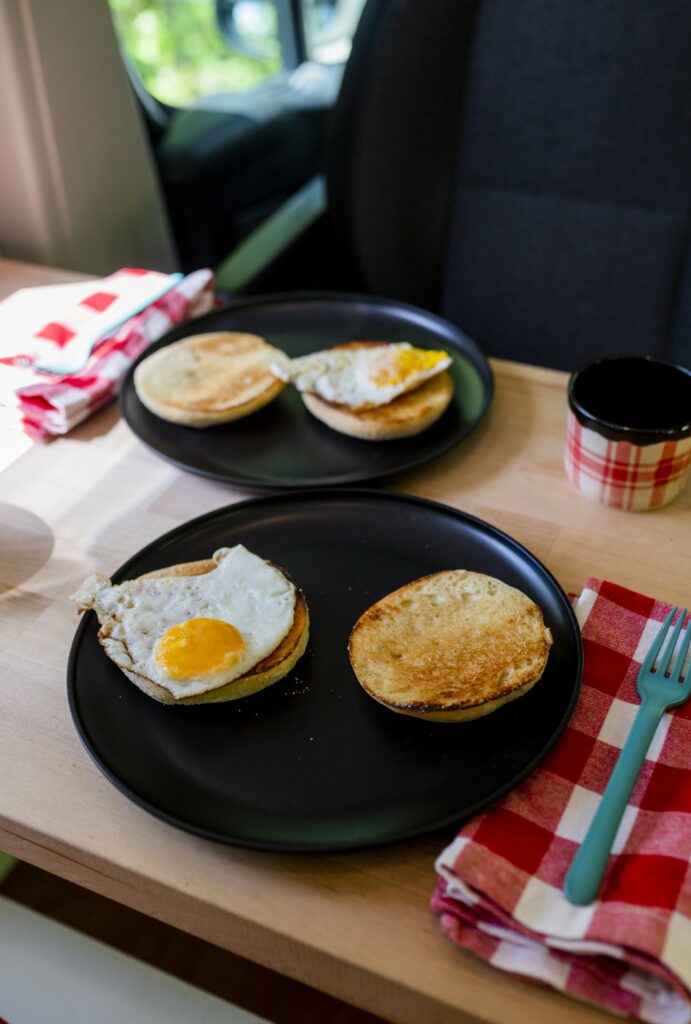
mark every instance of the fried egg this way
{"type": "Point", "coordinates": [365, 375]}
{"type": "Point", "coordinates": [191, 634]}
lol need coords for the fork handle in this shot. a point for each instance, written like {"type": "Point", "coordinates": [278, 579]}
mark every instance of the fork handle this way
{"type": "Point", "coordinates": [583, 879]}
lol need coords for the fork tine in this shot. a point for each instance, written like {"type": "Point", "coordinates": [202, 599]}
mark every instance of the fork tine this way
{"type": "Point", "coordinates": [657, 643]}
{"type": "Point", "coordinates": [683, 650]}
{"type": "Point", "coordinates": [666, 656]}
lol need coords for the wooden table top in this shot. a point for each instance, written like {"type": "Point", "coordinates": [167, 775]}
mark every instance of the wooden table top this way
{"type": "Point", "coordinates": [356, 925]}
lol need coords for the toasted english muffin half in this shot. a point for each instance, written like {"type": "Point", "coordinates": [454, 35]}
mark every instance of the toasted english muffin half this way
{"type": "Point", "coordinates": [269, 670]}
{"type": "Point", "coordinates": [405, 416]}
{"type": "Point", "coordinates": [450, 647]}
{"type": "Point", "coordinates": [208, 378]}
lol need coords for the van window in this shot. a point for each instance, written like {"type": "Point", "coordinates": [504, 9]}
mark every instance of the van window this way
{"type": "Point", "coordinates": [329, 26]}
{"type": "Point", "coordinates": [184, 50]}
{"type": "Point", "coordinates": [182, 53]}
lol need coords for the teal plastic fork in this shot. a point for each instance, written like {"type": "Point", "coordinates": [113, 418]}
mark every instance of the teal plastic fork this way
{"type": "Point", "coordinates": [659, 689]}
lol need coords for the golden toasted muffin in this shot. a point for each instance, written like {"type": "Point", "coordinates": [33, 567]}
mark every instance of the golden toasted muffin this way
{"type": "Point", "coordinates": [136, 634]}
{"type": "Point", "coordinates": [450, 647]}
{"type": "Point", "coordinates": [208, 378]}
{"type": "Point", "coordinates": [404, 415]}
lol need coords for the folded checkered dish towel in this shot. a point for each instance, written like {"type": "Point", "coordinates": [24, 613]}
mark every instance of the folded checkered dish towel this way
{"type": "Point", "coordinates": [38, 322]}
{"type": "Point", "coordinates": [500, 889]}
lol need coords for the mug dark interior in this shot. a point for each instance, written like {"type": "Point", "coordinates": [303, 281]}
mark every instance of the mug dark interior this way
{"type": "Point", "coordinates": [633, 398]}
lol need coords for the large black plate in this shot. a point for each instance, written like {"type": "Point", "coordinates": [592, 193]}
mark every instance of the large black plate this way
{"type": "Point", "coordinates": [313, 763]}
{"type": "Point", "coordinates": [283, 446]}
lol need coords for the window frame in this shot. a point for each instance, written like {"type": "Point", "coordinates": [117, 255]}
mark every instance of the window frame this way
{"type": "Point", "coordinates": [291, 33]}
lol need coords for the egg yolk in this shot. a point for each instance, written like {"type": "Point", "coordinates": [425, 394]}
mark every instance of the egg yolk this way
{"type": "Point", "coordinates": [198, 647]}
{"type": "Point", "coordinates": [404, 364]}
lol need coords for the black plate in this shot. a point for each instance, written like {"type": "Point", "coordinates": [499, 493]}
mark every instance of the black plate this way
{"type": "Point", "coordinates": [313, 763]}
{"type": "Point", "coordinates": [282, 445]}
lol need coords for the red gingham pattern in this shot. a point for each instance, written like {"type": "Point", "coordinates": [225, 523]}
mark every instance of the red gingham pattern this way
{"type": "Point", "coordinates": [99, 301]}
{"type": "Point", "coordinates": [624, 475]}
{"type": "Point", "coordinates": [56, 332]}
{"type": "Point", "coordinates": [500, 889]}
{"type": "Point", "coordinates": [49, 404]}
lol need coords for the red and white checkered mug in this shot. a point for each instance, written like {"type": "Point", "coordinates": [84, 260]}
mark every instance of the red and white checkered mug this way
{"type": "Point", "coordinates": [628, 442]}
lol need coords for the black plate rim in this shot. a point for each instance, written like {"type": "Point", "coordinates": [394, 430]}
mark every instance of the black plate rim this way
{"type": "Point", "coordinates": [312, 494]}
{"type": "Point", "coordinates": [476, 356]}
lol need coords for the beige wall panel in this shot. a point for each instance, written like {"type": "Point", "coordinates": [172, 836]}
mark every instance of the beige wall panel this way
{"type": "Point", "coordinates": [78, 187]}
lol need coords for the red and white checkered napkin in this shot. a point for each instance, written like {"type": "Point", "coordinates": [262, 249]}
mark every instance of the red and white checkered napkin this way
{"type": "Point", "coordinates": [39, 321]}
{"type": "Point", "coordinates": [500, 890]}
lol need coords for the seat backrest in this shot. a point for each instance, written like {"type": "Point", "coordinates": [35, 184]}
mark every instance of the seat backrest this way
{"type": "Point", "coordinates": [523, 167]}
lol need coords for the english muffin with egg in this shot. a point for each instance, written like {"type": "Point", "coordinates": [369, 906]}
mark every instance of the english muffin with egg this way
{"type": "Point", "coordinates": [373, 390]}
{"type": "Point", "coordinates": [208, 378]}
{"type": "Point", "coordinates": [450, 647]}
{"type": "Point", "coordinates": [201, 632]}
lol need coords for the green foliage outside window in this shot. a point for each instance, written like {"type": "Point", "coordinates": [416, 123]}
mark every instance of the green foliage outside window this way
{"type": "Point", "coordinates": [179, 52]}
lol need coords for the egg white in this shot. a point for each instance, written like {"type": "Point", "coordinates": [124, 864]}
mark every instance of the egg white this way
{"type": "Point", "coordinates": [345, 376]}
{"type": "Point", "coordinates": [244, 590]}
